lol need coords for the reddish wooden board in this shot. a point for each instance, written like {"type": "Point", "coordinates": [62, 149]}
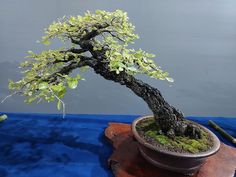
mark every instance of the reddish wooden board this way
{"type": "Point", "coordinates": [126, 160]}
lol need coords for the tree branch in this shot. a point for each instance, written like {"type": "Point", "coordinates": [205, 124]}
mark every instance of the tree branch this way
{"type": "Point", "coordinates": [95, 32]}
{"type": "Point", "coordinates": [84, 61]}
{"type": "Point", "coordinates": [90, 35]}
{"type": "Point", "coordinates": [113, 35]}
{"type": "Point", "coordinates": [73, 50]}
{"type": "Point", "coordinates": [77, 51]}
{"type": "Point", "coordinates": [74, 41]}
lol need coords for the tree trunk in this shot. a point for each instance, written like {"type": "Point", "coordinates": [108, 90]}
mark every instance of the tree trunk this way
{"type": "Point", "coordinates": [170, 120]}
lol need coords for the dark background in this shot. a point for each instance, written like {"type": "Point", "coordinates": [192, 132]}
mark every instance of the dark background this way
{"type": "Point", "coordinates": [195, 41]}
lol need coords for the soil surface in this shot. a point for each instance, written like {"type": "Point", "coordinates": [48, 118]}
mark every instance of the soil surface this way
{"type": "Point", "coordinates": [149, 131]}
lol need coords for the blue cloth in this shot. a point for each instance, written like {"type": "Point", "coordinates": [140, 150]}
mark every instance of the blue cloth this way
{"type": "Point", "coordinates": [45, 145]}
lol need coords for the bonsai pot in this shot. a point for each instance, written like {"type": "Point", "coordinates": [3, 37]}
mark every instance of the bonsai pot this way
{"type": "Point", "coordinates": [185, 163]}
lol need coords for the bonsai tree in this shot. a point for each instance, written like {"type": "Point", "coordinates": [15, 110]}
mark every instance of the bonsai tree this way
{"type": "Point", "coordinates": [99, 41]}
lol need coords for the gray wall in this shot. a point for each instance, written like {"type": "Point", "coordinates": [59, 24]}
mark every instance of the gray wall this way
{"type": "Point", "coordinates": [195, 41]}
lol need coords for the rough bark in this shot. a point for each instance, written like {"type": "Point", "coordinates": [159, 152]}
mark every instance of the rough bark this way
{"type": "Point", "coordinates": [170, 120]}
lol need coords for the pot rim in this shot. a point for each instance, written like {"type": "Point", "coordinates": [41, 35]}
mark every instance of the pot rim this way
{"type": "Point", "coordinates": [213, 150]}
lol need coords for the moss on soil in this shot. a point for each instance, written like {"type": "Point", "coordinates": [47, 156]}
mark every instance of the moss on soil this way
{"type": "Point", "coordinates": [150, 131]}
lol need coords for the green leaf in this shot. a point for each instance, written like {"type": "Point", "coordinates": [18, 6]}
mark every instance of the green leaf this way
{"type": "Point", "coordinates": [150, 55]}
{"type": "Point", "coordinates": [31, 99]}
{"type": "Point", "coordinates": [62, 92]}
{"type": "Point", "coordinates": [46, 42]}
{"type": "Point", "coordinates": [30, 52]}
{"type": "Point", "coordinates": [78, 76]}
{"type": "Point", "coordinates": [59, 105]}
{"type": "Point", "coordinates": [84, 68]}
{"type": "Point", "coordinates": [121, 69]}
{"type": "Point", "coordinates": [133, 69]}
{"type": "Point", "coordinates": [58, 88]}
{"type": "Point", "coordinates": [72, 83]}
{"type": "Point", "coordinates": [43, 85]}
{"type": "Point", "coordinates": [11, 85]}
{"type": "Point", "coordinates": [170, 79]}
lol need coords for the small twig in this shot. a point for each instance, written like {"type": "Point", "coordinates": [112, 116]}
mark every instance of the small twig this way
{"type": "Point", "coordinates": [113, 35]}
{"type": "Point", "coordinates": [40, 99]}
{"type": "Point", "coordinates": [63, 104]}
{"type": "Point", "coordinates": [8, 96]}
{"type": "Point", "coordinates": [222, 132]}
{"type": "Point", "coordinates": [74, 50]}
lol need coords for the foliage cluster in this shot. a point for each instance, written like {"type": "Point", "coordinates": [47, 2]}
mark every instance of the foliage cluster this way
{"type": "Point", "coordinates": [47, 75]}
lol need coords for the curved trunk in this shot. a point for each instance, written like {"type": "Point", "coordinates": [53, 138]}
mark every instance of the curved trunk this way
{"type": "Point", "coordinates": [170, 120]}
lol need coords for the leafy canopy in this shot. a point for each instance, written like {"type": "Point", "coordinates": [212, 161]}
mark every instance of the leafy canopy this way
{"type": "Point", "coordinates": [47, 75]}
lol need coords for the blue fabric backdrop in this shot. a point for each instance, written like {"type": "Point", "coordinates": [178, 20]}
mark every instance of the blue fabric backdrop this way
{"type": "Point", "coordinates": [45, 145]}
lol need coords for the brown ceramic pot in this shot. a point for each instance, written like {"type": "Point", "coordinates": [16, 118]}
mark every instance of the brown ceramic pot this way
{"type": "Point", "coordinates": [184, 163]}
